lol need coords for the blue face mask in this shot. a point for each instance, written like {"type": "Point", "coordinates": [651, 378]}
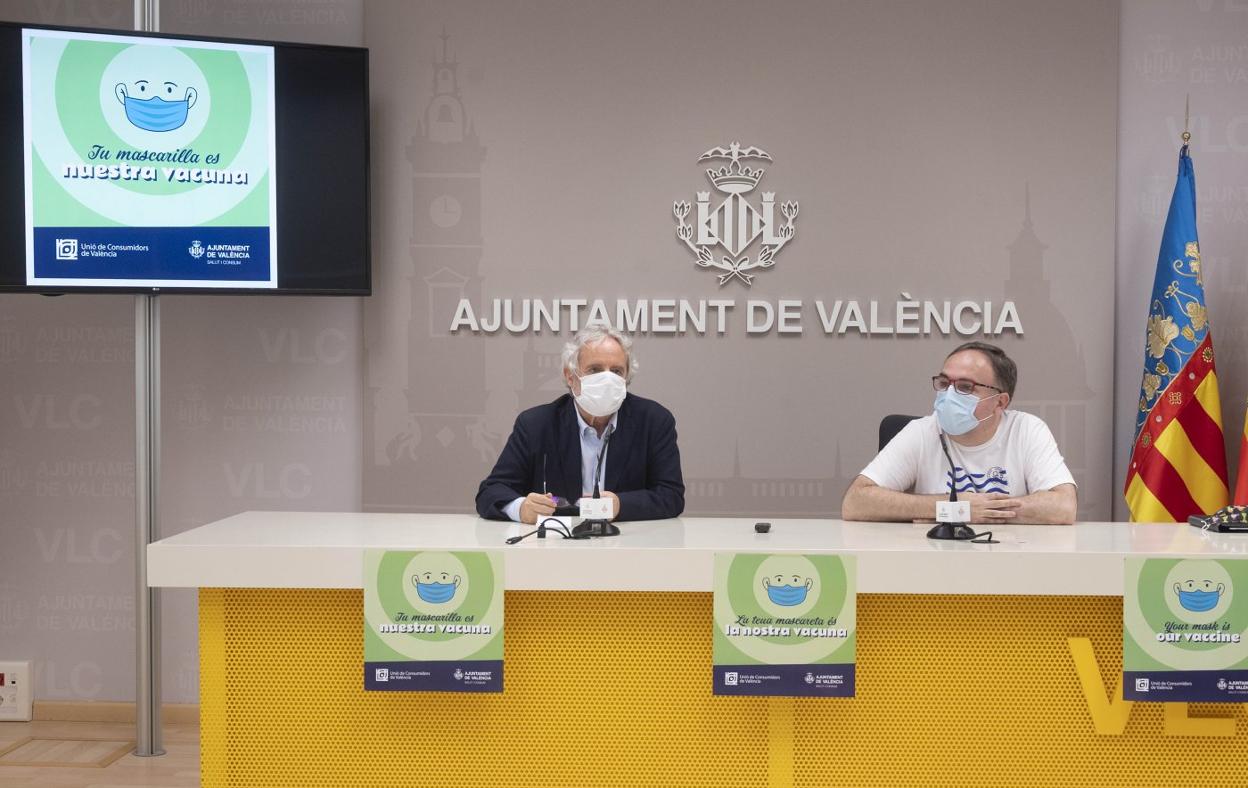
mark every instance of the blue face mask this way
{"type": "Point", "coordinates": [156, 114]}
{"type": "Point", "coordinates": [955, 412]}
{"type": "Point", "coordinates": [1198, 601]}
{"type": "Point", "coordinates": [786, 595]}
{"type": "Point", "coordinates": [436, 593]}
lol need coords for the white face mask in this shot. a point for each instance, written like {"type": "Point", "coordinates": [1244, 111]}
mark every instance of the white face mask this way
{"type": "Point", "coordinates": [602, 393]}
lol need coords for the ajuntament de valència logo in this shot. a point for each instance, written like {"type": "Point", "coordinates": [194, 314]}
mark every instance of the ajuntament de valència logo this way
{"type": "Point", "coordinates": [737, 235]}
{"type": "Point", "coordinates": [735, 225]}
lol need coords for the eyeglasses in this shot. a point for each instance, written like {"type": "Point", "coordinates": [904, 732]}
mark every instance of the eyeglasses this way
{"type": "Point", "coordinates": [960, 385]}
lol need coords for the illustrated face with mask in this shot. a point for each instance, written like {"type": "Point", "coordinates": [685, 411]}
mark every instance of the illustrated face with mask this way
{"type": "Point", "coordinates": [599, 384]}
{"type": "Point", "coordinates": [156, 106]}
{"type": "Point", "coordinates": [787, 590]}
{"type": "Point", "coordinates": [966, 393]}
{"type": "Point", "coordinates": [436, 587]}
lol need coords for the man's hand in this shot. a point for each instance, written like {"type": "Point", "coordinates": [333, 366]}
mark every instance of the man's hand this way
{"type": "Point", "coordinates": [991, 507]}
{"type": "Point", "coordinates": [536, 505]}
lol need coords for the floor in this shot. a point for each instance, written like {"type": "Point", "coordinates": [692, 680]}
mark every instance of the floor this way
{"type": "Point", "coordinates": [177, 768]}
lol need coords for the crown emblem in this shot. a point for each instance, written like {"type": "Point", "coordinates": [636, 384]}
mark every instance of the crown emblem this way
{"type": "Point", "coordinates": [738, 181]}
{"type": "Point", "coordinates": [736, 223]}
{"type": "Point", "coordinates": [733, 178]}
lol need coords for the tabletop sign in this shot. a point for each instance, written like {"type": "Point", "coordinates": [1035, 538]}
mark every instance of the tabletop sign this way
{"type": "Point", "coordinates": [433, 621]}
{"type": "Point", "coordinates": [784, 624]}
{"type": "Point", "coordinates": [1185, 631]}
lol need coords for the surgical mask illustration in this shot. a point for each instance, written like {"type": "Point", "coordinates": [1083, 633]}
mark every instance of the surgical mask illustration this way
{"type": "Point", "coordinates": [149, 111]}
{"type": "Point", "coordinates": [1199, 596]}
{"type": "Point", "coordinates": [955, 412]}
{"type": "Point", "coordinates": [436, 587]}
{"type": "Point", "coordinates": [601, 393]}
{"type": "Point", "coordinates": [787, 590]}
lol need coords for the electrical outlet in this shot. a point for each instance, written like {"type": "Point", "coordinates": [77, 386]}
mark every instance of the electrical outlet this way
{"type": "Point", "coordinates": [15, 691]}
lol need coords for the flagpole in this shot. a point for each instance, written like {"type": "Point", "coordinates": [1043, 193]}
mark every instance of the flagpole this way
{"type": "Point", "coordinates": [1187, 115]}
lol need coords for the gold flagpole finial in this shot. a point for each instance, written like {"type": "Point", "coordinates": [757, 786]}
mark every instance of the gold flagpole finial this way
{"type": "Point", "coordinates": [1187, 115]}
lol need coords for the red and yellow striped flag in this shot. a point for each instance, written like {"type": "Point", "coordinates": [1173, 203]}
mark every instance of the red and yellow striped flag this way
{"type": "Point", "coordinates": [1241, 481]}
{"type": "Point", "coordinates": [1178, 459]}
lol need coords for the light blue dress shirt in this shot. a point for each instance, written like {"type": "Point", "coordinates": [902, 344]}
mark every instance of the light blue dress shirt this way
{"type": "Point", "coordinates": [591, 444]}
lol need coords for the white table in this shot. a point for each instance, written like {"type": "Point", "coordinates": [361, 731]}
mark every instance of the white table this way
{"type": "Point", "coordinates": [978, 665]}
{"type": "Point", "coordinates": [325, 550]}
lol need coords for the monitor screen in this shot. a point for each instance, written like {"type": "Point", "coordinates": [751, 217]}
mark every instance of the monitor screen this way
{"type": "Point", "coordinates": [150, 163]}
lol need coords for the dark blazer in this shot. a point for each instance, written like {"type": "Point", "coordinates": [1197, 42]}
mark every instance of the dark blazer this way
{"type": "Point", "coordinates": [643, 462]}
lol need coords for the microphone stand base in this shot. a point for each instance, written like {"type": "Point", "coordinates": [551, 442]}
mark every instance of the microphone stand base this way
{"type": "Point", "coordinates": [596, 528]}
{"type": "Point", "coordinates": [958, 531]}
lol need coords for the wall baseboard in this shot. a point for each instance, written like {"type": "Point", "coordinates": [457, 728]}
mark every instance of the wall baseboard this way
{"type": "Point", "coordinates": [110, 711]}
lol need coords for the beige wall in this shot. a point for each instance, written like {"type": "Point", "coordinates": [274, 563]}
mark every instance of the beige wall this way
{"type": "Point", "coordinates": [1171, 50]}
{"type": "Point", "coordinates": [262, 410]}
{"type": "Point", "coordinates": [948, 151]}
{"type": "Point", "coordinates": [910, 134]}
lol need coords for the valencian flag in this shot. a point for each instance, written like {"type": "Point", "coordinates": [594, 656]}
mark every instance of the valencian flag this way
{"type": "Point", "coordinates": [1178, 460]}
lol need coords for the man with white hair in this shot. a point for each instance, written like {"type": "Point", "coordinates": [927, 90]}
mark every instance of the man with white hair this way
{"type": "Point", "coordinates": [596, 433]}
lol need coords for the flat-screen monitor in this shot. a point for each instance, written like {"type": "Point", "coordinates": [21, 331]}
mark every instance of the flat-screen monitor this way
{"type": "Point", "coordinates": [163, 164]}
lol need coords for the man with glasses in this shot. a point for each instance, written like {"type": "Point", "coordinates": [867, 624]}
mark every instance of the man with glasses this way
{"type": "Point", "coordinates": [1005, 462]}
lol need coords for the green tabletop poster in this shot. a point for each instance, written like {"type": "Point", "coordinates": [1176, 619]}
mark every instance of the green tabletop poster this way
{"type": "Point", "coordinates": [784, 624]}
{"type": "Point", "coordinates": [433, 621]}
{"type": "Point", "coordinates": [1184, 630]}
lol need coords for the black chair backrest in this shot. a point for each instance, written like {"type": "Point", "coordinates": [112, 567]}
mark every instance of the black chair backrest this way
{"type": "Point", "coordinates": [891, 425]}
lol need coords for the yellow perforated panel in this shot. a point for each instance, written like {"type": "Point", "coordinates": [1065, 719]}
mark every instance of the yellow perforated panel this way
{"type": "Point", "coordinates": [982, 691]}
{"type": "Point", "coordinates": [613, 689]}
{"type": "Point", "coordinates": [600, 689]}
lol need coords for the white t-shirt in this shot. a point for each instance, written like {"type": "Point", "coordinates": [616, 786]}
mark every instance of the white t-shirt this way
{"type": "Point", "coordinates": [1019, 459]}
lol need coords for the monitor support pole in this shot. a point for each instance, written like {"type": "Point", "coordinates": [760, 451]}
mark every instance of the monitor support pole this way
{"type": "Point", "coordinates": [147, 518]}
{"type": "Point", "coordinates": [146, 486]}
